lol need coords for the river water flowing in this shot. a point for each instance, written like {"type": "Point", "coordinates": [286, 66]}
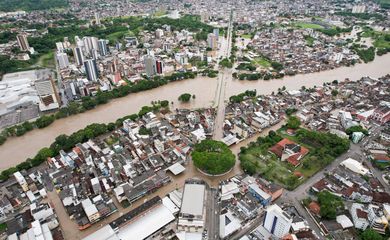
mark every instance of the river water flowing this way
{"type": "Point", "coordinates": [18, 149]}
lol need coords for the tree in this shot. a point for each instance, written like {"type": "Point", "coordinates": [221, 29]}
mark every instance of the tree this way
{"type": "Point", "coordinates": [370, 234]}
{"type": "Point", "coordinates": [185, 97]}
{"type": "Point", "coordinates": [226, 63]}
{"type": "Point", "coordinates": [293, 122]}
{"type": "Point", "coordinates": [330, 204]}
{"type": "Point", "coordinates": [213, 157]}
{"type": "Point", "coordinates": [335, 92]}
{"type": "Point", "coordinates": [357, 128]}
{"type": "Point", "coordinates": [44, 121]}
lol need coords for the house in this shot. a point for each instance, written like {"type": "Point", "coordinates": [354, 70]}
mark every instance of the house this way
{"type": "Point", "coordinates": [382, 114]}
{"type": "Point", "coordinates": [289, 151]}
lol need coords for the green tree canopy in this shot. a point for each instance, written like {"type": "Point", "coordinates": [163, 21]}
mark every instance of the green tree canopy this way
{"type": "Point", "coordinates": [293, 122]}
{"type": "Point", "coordinates": [213, 157]}
{"type": "Point", "coordinates": [330, 204]}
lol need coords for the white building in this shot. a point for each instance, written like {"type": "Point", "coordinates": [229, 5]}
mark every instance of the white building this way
{"type": "Point", "coordinates": [62, 59]}
{"type": "Point", "coordinates": [277, 221]}
{"type": "Point", "coordinates": [359, 216]}
{"type": "Point", "coordinates": [191, 216]}
{"type": "Point", "coordinates": [354, 166]}
{"type": "Point", "coordinates": [22, 181]}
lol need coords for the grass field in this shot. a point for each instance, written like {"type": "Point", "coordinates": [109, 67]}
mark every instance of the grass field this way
{"type": "Point", "coordinates": [3, 227]}
{"type": "Point", "coordinates": [259, 160]}
{"type": "Point", "coordinates": [113, 37]}
{"type": "Point", "coordinates": [247, 36]}
{"type": "Point", "coordinates": [307, 25]}
{"type": "Point", "coordinates": [47, 60]}
{"type": "Point", "coordinates": [160, 13]}
{"type": "Point", "coordinates": [261, 61]}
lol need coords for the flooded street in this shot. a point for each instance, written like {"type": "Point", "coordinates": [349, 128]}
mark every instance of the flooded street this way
{"type": "Point", "coordinates": [18, 149]}
{"type": "Point", "coordinates": [69, 227]}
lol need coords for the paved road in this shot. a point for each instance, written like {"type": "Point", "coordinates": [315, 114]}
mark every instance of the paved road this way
{"type": "Point", "coordinates": [224, 76]}
{"type": "Point", "coordinates": [249, 227]}
{"type": "Point", "coordinates": [212, 214]}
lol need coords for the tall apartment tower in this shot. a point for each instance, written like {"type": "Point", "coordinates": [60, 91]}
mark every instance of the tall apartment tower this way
{"type": "Point", "coordinates": [103, 49]}
{"type": "Point", "coordinates": [62, 60]}
{"type": "Point", "coordinates": [150, 65]}
{"type": "Point", "coordinates": [23, 42]}
{"type": "Point", "coordinates": [212, 41]}
{"type": "Point", "coordinates": [159, 67]}
{"type": "Point", "coordinates": [78, 56]}
{"type": "Point", "coordinates": [97, 19]}
{"type": "Point", "coordinates": [91, 70]}
{"type": "Point", "coordinates": [277, 221]}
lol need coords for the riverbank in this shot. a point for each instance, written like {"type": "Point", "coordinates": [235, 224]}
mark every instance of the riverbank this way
{"type": "Point", "coordinates": [18, 149]}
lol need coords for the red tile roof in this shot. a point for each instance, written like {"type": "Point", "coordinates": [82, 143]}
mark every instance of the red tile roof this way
{"type": "Point", "coordinates": [278, 149]}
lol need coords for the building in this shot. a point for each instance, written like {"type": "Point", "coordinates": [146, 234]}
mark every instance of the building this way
{"type": "Point", "coordinates": [212, 41]}
{"type": "Point", "coordinates": [90, 210]}
{"type": "Point", "coordinates": [289, 151]}
{"type": "Point", "coordinates": [62, 60]}
{"type": "Point", "coordinates": [359, 216]}
{"type": "Point", "coordinates": [89, 44]}
{"type": "Point", "coordinates": [97, 18]}
{"type": "Point", "coordinates": [78, 56]}
{"type": "Point", "coordinates": [22, 181]}
{"type": "Point", "coordinates": [277, 221]}
{"type": "Point", "coordinates": [47, 93]}
{"type": "Point", "coordinates": [216, 32]}
{"type": "Point", "coordinates": [91, 70]}
{"type": "Point", "coordinates": [150, 65]}
{"type": "Point", "coordinates": [263, 197]}
{"type": "Point", "coordinates": [358, 9]}
{"type": "Point", "coordinates": [103, 49]}
{"type": "Point", "coordinates": [191, 216]}
{"type": "Point", "coordinates": [382, 114]}
{"type": "Point", "coordinates": [354, 166]}
{"type": "Point", "coordinates": [159, 67]}
{"type": "Point", "coordinates": [23, 42]}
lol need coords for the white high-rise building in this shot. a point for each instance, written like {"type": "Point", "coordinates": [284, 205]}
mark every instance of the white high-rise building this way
{"type": "Point", "coordinates": [62, 59]}
{"type": "Point", "coordinates": [212, 41]}
{"type": "Point", "coordinates": [97, 19]}
{"type": "Point", "coordinates": [277, 221]}
{"type": "Point", "coordinates": [150, 65]}
{"type": "Point", "coordinates": [60, 46]}
{"type": "Point", "coordinates": [89, 44]}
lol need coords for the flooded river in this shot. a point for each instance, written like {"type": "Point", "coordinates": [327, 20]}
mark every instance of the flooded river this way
{"type": "Point", "coordinates": [16, 150]}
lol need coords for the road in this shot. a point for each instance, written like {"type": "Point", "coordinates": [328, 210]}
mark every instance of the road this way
{"type": "Point", "coordinates": [224, 76]}
{"type": "Point", "coordinates": [212, 214]}
{"type": "Point", "coordinates": [249, 227]}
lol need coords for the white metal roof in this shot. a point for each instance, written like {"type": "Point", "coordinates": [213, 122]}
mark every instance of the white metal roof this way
{"type": "Point", "coordinates": [193, 198]}
{"type": "Point", "coordinates": [176, 168]}
{"type": "Point", "coordinates": [148, 224]}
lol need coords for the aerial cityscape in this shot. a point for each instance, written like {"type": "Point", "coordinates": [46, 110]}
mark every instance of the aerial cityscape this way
{"type": "Point", "coordinates": [194, 120]}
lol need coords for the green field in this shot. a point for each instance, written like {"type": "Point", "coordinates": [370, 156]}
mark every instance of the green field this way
{"type": "Point", "coordinates": [46, 60]}
{"type": "Point", "coordinates": [113, 37]}
{"type": "Point", "coordinates": [261, 61]}
{"type": "Point", "coordinates": [160, 13]}
{"type": "Point", "coordinates": [307, 25]}
{"type": "Point", "coordinates": [323, 149]}
{"type": "Point", "coordinates": [246, 36]}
